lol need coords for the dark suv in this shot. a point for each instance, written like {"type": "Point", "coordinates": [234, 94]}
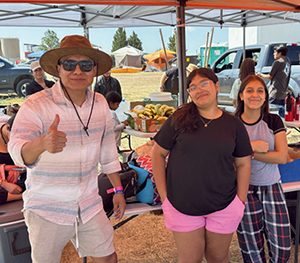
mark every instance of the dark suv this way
{"type": "Point", "coordinates": [14, 78]}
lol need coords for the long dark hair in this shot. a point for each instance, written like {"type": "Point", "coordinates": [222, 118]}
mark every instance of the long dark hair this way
{"type": "Point", "coordinates": [247, 68]}
{"type": "Point", "coordinates": [240, 103]}
{"type": "Point", "coordinates": [186, 117]}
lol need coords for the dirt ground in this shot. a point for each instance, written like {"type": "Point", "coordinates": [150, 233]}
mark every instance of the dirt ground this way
{"type": "Point", "coordinates": [145, 240]}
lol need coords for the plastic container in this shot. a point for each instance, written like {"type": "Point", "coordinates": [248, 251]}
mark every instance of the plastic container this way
{"type": "Point", "coordinates": [160, 96]}
{"type": "Point", "coordinates": [290, 172]}
{"type": "Point", "coordinates": [14, 241]}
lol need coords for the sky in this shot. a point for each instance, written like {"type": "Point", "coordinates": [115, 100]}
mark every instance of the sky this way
{"type": "Point", "coordinates": [150, 36]}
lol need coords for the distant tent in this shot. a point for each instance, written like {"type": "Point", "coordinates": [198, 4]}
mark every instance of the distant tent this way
{"type": "Point", "coordinates": [37, 54]}
{"type": "Point", "coordinates": [157, 59]}
{"type": "Point", "coordinates": [128, 56]}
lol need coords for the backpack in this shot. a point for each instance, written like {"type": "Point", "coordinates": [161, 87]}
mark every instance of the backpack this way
{"type": "Point", "coordinates": [129, 181]}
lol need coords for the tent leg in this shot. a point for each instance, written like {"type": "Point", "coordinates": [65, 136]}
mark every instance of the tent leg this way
{"type": "Point", "coordinates": [180, 44]}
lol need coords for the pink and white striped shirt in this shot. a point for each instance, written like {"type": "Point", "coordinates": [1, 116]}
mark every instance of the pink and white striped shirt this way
{"type": "Point", "coordinates": [60, 186]}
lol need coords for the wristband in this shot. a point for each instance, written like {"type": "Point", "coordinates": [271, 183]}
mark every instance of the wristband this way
{"type": "Point", "coordinates": [119, 192]}
{"type": "Point", "coordinates": [116, 190]}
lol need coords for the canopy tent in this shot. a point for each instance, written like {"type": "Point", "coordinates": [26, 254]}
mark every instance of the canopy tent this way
{"type": "Point", "coordinates": [112, 16]}
{"type": "Point", "coordinates": [124, 13]}
{"type": "Point", "coordinates": [159, 59]}
{"type": "Point", "coordinates": [128, 56]}
{"type": "Point", "coordinates": [36, 54]}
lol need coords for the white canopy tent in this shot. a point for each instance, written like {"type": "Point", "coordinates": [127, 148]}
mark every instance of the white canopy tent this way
{"type": "Point", "coordinates": [123, 13]}
{"type": "Point", "coordinates": [128, 56]}
{"type": "Point", "coordinates": [112, 16]}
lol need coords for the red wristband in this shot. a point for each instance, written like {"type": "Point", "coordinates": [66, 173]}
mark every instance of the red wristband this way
{"type": "Point", "coordinates": [118, 188]}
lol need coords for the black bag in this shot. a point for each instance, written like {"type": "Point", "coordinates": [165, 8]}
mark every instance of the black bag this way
{"type": "Point", "coordinates": [129, 182]}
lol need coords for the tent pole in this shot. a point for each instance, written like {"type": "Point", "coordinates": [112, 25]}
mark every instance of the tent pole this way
{"type": "Point", "coordinates": [164, 48]}
{"type": "Point", "coordinates": [180, 46]}
{"type": "Point", "coordinates": [244, 24]}
{"type": "Point", "coordinates": [86, 32]}
{"type": "Point", "coordinates": [83, 22]}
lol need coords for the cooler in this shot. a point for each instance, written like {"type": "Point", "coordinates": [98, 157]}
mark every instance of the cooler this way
{"type": "Point", "coordinates": [14, 241]}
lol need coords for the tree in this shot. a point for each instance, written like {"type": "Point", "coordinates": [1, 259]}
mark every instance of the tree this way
{"type": "Point", "coordinates": [134, 41]}
{"type": "Point", "coordinates": [119, 40]}
{"type": "Point", "coordinates": [172, 42]}
{"type": "Point", "coordinates": [49, 41]}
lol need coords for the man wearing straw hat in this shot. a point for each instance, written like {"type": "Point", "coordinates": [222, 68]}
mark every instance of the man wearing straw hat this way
{"type": "Point", "coordinates": [61, 134]}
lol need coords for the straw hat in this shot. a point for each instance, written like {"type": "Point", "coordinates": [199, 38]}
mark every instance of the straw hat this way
{"type": "Point", "coordinates": [75, 45]}
{"type": "Point", "coordinates": [35, 65]}
{"type": "Point", "coordinates": [191, 67]}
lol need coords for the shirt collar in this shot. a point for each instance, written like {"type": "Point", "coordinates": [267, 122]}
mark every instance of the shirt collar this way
{"type": "Point", "coordinates": [60, 98]}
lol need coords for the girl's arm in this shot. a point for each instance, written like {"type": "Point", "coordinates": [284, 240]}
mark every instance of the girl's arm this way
{"type": "Point", "coordinates": [243, 172]}
{"type": "Point", "coordinates": [159, 155]}
{"type": "Point", "coordinates": [280, 153]}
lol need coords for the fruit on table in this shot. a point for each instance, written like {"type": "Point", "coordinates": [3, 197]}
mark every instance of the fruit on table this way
{"type": "Point", "coordinates": [156, 112]}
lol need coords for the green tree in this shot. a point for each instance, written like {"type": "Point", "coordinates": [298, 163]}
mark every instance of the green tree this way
{"type": "Point", "coordinates": [119, 40]}
{"type": "Point", "coordinates": [134, 41]}
{"type": "Point", "coordinates": [172, 42]}
{"type": "Point", "coordinates": [49, 41]}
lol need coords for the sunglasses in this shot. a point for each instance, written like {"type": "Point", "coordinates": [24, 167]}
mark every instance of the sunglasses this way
{"type": "Point", "coordinates": [70, 65]}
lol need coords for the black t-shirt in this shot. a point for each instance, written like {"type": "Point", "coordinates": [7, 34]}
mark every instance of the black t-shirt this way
{"type": "Point", "coordinates": [172, 82]}
{"type": "Point", "coordinates": [106, 85]}
{"type": "Point", "coordinates": [201, 177]}
{"type": "Point", "coordinates": [280, 75]}
{"type": "Point", "coordinates": [34, 87]}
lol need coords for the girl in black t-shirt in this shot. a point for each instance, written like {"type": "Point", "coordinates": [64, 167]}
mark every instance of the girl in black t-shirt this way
{"type": "Point", "coordinates": [205, 181]}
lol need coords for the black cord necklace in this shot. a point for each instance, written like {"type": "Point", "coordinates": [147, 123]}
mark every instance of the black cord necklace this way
{"type": "Point", "coordinates": [85, 127]}
{"type": "Point", "coordinates": [2, 136]}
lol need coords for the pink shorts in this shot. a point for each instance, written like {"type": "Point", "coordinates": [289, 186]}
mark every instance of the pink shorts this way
{"type": "Point", "coordinates": [224, 221]}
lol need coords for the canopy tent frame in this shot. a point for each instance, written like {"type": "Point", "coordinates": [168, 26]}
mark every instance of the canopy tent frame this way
{"type": "Point", "coordinates": [174, 13]}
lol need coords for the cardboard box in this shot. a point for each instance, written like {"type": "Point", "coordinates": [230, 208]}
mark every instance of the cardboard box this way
{"type": "Point", "coordinates": [150, 125]}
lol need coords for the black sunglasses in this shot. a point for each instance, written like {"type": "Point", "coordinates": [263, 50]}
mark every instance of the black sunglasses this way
{"type": "Point", "coordinates": [70, 65]}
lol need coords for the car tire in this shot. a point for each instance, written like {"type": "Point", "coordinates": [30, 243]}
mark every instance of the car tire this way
{"type": "Point", "coordinates": [21, 87]}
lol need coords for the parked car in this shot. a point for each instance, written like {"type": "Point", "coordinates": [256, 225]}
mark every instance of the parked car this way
{"type": "Point", "coordinates": [14, 78]}
{"type": "Point", "coordinates": [227, 66]}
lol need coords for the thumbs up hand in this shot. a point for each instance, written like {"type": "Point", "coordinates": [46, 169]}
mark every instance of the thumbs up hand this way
{"type": "Point", "coordinates": [55, 140]}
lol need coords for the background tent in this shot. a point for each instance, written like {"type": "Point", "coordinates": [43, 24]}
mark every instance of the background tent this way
{"type": "Point", "coordinates": [36, 54]}
{"type": "Point", "coordinates": [158, 58]}
{"type": "Point", "coordinates": [128, 56]}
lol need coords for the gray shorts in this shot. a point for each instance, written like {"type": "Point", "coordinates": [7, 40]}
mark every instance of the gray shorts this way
{"type": "Point", "coordinates": [48, 239]}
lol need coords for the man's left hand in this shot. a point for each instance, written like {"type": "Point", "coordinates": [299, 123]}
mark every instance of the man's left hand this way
{"type": "Point", "coordinates": [119, 205]}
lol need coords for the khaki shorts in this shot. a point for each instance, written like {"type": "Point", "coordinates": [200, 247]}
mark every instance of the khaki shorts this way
{"type": "Point", "coordinates": [48, 239]}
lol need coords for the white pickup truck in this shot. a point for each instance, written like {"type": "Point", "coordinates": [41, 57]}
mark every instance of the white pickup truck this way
{"type": "Point", "coordinates": [227, 66]}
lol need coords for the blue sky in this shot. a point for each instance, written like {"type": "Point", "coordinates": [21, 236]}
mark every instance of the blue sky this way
{"type": "Point", "coordinates": [150, 37]}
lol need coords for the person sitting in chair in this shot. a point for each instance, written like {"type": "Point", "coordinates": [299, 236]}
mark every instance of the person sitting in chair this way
{"type": "Point", "coordinates": [12, 178]}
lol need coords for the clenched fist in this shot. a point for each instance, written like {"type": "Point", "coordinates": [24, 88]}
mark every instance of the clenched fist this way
{"type": "Point", "coordinates": [54, 141]}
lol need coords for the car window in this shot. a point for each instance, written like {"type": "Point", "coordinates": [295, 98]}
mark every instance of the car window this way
{"type": "Point", "coordinates": [252, 53]}
{"type": "Point", "coordinates": [226, 62]}
{"type": "Point", "coordinates": [293, 54]}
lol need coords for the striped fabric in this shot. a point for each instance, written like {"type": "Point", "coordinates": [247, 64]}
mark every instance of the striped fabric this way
{"type": "Point", "coordinates": [265, 217]}
{"type": "Point", "coordinates": [62, 185]}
